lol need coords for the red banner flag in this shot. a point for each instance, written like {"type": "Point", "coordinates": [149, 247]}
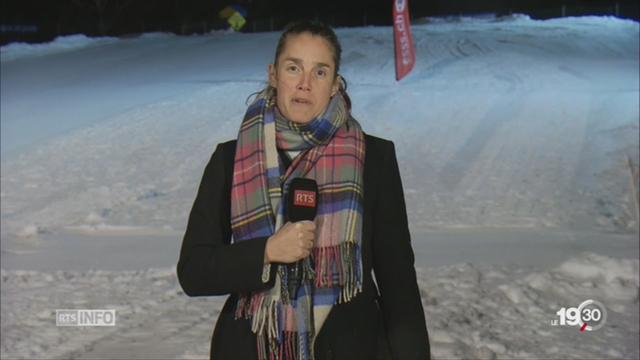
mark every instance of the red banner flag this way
{"type": "Point", "coordinates": [403, 40]}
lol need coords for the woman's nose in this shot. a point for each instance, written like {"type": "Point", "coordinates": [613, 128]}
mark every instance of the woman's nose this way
{"type": "Point", "coordinates": [305, 82]}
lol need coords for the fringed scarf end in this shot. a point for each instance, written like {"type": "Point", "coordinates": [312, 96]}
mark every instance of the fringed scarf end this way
{"type": "Point", "coordinates": [341, 266]}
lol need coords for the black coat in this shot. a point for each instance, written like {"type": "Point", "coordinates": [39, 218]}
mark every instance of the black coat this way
{"type": "Point", "coordinates": [376, 324]}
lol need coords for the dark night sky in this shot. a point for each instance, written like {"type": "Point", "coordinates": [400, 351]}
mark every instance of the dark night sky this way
{"type": "Point", "coordinates": [37, 20]}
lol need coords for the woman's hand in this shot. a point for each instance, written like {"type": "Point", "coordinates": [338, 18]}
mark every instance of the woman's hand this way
{"type": "Point", "coordinates": [291, 243]}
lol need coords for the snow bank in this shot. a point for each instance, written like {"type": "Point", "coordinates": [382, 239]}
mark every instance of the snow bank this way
{"type": "Point", "coordinates": [149, 304]}
{"type": "Point", "coordinates": [478, 18]}
{"type": "Point", "coordinates": [477, 311]}
{"type": "Point", "coordinates": [473, 311]}
{"type": "Point", "coordinates": [60, 44]}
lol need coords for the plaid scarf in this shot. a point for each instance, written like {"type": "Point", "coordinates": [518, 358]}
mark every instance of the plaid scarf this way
{"type": "Point", "coordinates": [332, 153]}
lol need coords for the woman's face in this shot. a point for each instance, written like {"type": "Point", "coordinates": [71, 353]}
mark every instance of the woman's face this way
{"type": "Point", "coordinates": [304, 77]}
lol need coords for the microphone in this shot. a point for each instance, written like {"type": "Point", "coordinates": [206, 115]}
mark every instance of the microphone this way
{"type": "Point", "coordinates": [302, 204]}
{"type": "Point", "coordinates": [302, 199]}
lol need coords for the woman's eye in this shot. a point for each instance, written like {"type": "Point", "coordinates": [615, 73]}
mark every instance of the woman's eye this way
{"type": "Point", "coordinates": [292, 68]}
{"type": "Point", "coordinates": [321, 73]}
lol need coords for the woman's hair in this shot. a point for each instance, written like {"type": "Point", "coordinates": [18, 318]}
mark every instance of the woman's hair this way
{"type": "Point", "coordinates": [315, 28]}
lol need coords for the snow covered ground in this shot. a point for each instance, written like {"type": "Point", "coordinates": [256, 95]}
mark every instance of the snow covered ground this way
{"type": "Point", "coordinates": [513, 138]}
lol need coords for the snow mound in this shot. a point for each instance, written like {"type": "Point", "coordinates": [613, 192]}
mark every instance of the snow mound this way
{"type": "Point", "coordinates": [16, 51]}
{"type": "Point", "coordinates": [596, 267]}
{"type": "Point", "coordinates": [472, 311]}
{"type": "Point", "coordinates": [150, 307]}
{"type": "Point", "coordinates": [476, 311]}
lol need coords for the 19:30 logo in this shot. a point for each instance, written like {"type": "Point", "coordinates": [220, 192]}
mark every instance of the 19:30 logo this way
{"type": "Point", "coordinates": [589, 316]}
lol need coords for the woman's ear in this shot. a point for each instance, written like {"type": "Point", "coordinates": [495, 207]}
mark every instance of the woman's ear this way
{"type": "Point", "coordinates": [273, 78]}
{"type": "Point", "coordinates": [336, 85]}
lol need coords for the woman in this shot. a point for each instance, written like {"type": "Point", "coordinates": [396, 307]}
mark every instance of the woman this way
{"type": "Point", "coordinates": [301, 126]}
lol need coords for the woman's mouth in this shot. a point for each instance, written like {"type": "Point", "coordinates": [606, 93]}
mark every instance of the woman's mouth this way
{"type": "Point", "coordinates": [301, 101]}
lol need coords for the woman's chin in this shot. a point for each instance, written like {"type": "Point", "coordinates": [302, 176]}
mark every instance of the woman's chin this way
{"type": "Point", "coordinates": [301, 119]}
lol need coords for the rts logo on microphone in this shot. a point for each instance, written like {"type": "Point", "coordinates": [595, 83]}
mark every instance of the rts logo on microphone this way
{"type": "Point", "coordinates": [304, 198]}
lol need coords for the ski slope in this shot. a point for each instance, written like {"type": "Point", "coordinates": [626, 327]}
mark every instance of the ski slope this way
{"type": "Point", "coordinates": [513, 138]}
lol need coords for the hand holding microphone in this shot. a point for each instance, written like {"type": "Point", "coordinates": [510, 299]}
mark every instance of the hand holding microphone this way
{"type": "Point", "coordinates": [294, 241]}
{"type": "Point", "coordinates": [291, 243]}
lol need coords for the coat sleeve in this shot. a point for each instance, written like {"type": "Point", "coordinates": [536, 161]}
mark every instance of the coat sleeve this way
{"type": "Point", "coordinates": [209, 264]}
{"type": "Point", "coordinates": [394, 268]}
